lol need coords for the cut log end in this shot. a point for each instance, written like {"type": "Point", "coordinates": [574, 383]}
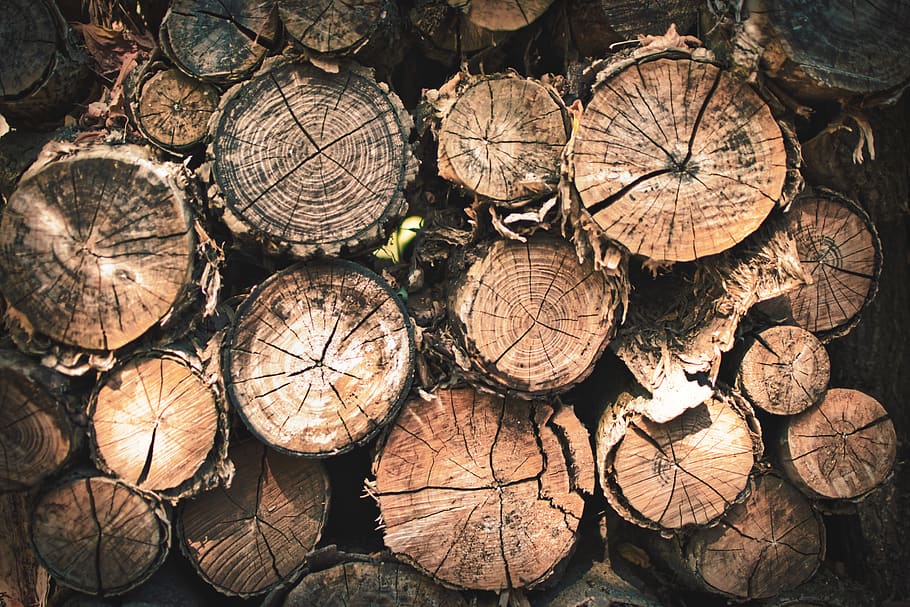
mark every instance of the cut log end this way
{"type": "Point", "coordinates": [502, 15]}
{"type": "Point", "coordinates": [483, 492]}
{"type": "Point", "coordinates": [328, 26]}
{"type": "Point", "coordinates": [172, 110]}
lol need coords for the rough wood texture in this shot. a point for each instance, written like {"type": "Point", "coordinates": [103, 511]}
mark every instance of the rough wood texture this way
{"type": "Point", "coordinates": [770, 543]}
{"type": "Point", "coordinates": [331, 26]}
{"type": "Point", "coordinates": [157, 424]}
{"type": "Point", "coordinates": [36, 433]}
{"type": "Point", "coordinates": [319, 358]}
{"type": "Point", "coordinates": [503, 139]}
{"type": "Point", "coordinates": [173, 110]}
{"type": "Point", "coordinates": [482, 491]}
{"type": "Point", "coordinates": [594, 584]}
{"type": "Point", "coordinates": [447, 31]}
{"type": "Point", "coordinates": [98, 247]}
{"type": "Point", "coordinates": [502, 15]}
{"type": "Point", "coordinates": [248, 538]}
{"type": "Point", "coordinates": [99, 536]}
{"type": "Point", "coordinates": [532, 319]}
{"type": "Point", "coordinates": [631, 18]}
{"type": "Point", "coordinates": [784, 370]}
{"type": "Point", "coordinates": [371, 583]}
{"type": "Point", "coordinates": [687, 471]}
{"type": "Point", "coordinates": [677, 159]}
{"type": "Point", "coordinates": [219, 40]}
{"type": "Point", "coordinates": [842, 448]}
{"type": "Point", "coordinates": [312, 161]}
{"type": "Point", "coordinates": [23, 581]}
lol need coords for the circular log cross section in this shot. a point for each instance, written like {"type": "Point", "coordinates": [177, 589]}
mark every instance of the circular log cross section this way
{"type": "Point", "coordinates": [248, 538]}
{"type": "Point", "coordinates": [368, 584]}
{"type": "Point", "coordinates": [320, 357]}
{"type": "Point", "coordinates": [173, 110]}
{"type": "Point", "coordinates": [27, 58]}
{"type": "Point", "coordinates": [503, 139]}
{"type": "Point", "coordinates": [677, 159]}
{"type": "Point", "coordinates": [784, 370]}
{"type": "Point", "coordinates": [687, 471]}
{"type": "Point", "coordinates": [308, 158]}
{"type": "Point", "coordinates": [768, 544]}
{"type": "Point", "coordinates": [841, 449]}
{"type": "Point", "coordinates": [531, 317]}
{"type": "Point", "coordinates": [502, 15]}
{"type": "Point", "coordinates": [97, 248]}
{"type": "Point", "coordinates": [36, 436]}
{"type": "Point", "coordinates": [331, 26]}
{"type": "Point", "coordinates": [483, 492]}
{"type": "Point", "coordinates": [839, 247]}
{"type": "Point", "coordinates": [99, 536]}
{"type": "Point", "coordinates": [153, 422]}
{"type": "Point", "coordinates": [219, 40]}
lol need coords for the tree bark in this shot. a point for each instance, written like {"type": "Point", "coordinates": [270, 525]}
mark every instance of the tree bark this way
{"type": "Point", "coordinates": [246, 539]}
{"type": "Point", "coordinates": [632, 18]}
{"type": "Point", "coordinates": [483, 492]}
{"type": "Point", "coordinates": [327, 26]}
{"type": "Point", "coordinates": [23, 581]}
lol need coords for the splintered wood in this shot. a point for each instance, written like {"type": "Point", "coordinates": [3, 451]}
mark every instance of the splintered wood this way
{"type": "Point", "coordinates": [482, 491]}
{"type": "Point", "coordinates": [676, 159]}
{"type": "Point", "coordinates": [331, 26]}
{"type": "Point", "coordinates": [319, 358]}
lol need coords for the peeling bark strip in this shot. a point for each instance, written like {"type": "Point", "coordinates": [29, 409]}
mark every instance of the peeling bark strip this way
{"type": "Point", "coordinates": [839, 246]}
{"type": "Point", "coordinates": [503, 139]}
{"type": "Point", "coordinates": [784, 370]}
{"type": "Point", "coordinates": [255, 535]}
{"type": "Point", "coordinates": [99, 536]}
{"type": "Point", "coordinates": [502, 15]}
{"type": "Point", "coordinates": [368, 584]}
{"type": "Point", "coordinates": [531, 317]}
{"type": "Point", "coordinates": [687, 471]}
{"type": "Point", "coordinates": [331, 26]}
{"type": "Point", "coordinates": [98, 247]}
{"type": "Point", "coordinates": [840, 449]}
{"type": "Point", "coordinates": [319, 358]}
{"type": "Point", "coordinates": [219, 40]}
{"type": "Point", "coordinates": [482, 491]}
{"type": "Point", "coordinates": [156, 424]}
{"type": "Point", "coordinates": [312, 161]}
{"type": "Point", "coordinates": [36, 435]}
{"type": "Point", "coordinates": [770, 543]}
{"type": "Point", "coordinates": [676, 159]}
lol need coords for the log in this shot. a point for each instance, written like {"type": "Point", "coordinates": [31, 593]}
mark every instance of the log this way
{"type": "Point", "coordinates": [766, 545]}
{"type": "Point", "coordinates": [99, 536]}
{"type": "Point", "coordinates": [446, 31]}
{"type": "Point", "coordinates": [172, 110]}
{"type": "Point", "coordinates": [158, 425]}
{"type": "Point", "coordinates": [630, 19]}
{"type": "Point", "coordinates": [219, 41]}
{"type": "Point", "coordinates": [319, 358]}
{"type": "Point", "coordinates": [37, 435]}
{"type": "Point", "coordinates": [531, 318]}
{"type": "Point", "coordinates": [331, 27]}
{"type": "Point", "coordinates": [481, 491]}
{"type": "Point", "coordinates": [247, 539]}
{"type": "Point", "coordinates": [684, 472]}
{"type": "Point", "coordinates": [784, 370]}
{"type": "Point", "coordinates": [595, 584]}
{"type": "Point", "coordinates": [840, 449]}
{"type": "Point", "coordinates": [502, 15]}
{"type": "Point", "coordinates": [312, 162]}
{"type": "Point", "coordinates": [677, 159]}
{"type": "Point", "coordinates": [44, 72]}
{"type": "Point", "coordinates": [503, 138]}
{"type": "Point", "coordinates": [98, 247]}
{"type": "Point", "coordinates": [23, 581]}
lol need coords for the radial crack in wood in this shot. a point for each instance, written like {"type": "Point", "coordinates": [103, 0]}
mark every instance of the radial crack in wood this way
{"type": "Point", "coordinates": [331, 26]}
{"type": "Point", "coordinates": [483, 492]}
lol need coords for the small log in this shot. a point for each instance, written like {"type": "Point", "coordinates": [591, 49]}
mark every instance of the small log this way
{"type": "Point", "coordinates": [99, 536]}
{"type": "Point", "coordinates": [37, 435]}
{"type": "Point", "coordinates": [843, 448]}
{"type": "Point", "coordinates": [503, 139]}
{"type": "Point", "coordinates": [677, 159]}
{"type": "Point", "coordinates": [23, 581]}
{"type": "Point", "coordinates": [319, 358]}
{"type": "Point", "coordinates": [158, 425]}
{"type": "Point", "coordinates": [630, 18]}
{"type": "Point", "coordinates": [173, 110]}
{"type": "Point", "coordinates": [311, 161]}
{"type": "Point", "coordinates": [447, 32]}
{"type": "Point", "coordinates": [246, 539]}
{"type": "Point", "coordinates": [769, 544]}
{"type": "Point", "coordinates": [594, 584]}
{"type": "Point", "coordinates": [531, 318]}
{"type": "Point", "coordinates": [784, 370]}
{"type": "Point", "coordinates": [98, 247]}
{"type": "Point", "coordinates": [328, 26]}
{"type": "Point", "coordinates": [364, 584]}
{"type": "Point", "coordinates": [481, 491]}
{"type": "Point", "coordinates": [687, 471]}
{"type": "Point", "coordinates": [502, 15]}
{"type": "Point", "coordinates": [219, 40]}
